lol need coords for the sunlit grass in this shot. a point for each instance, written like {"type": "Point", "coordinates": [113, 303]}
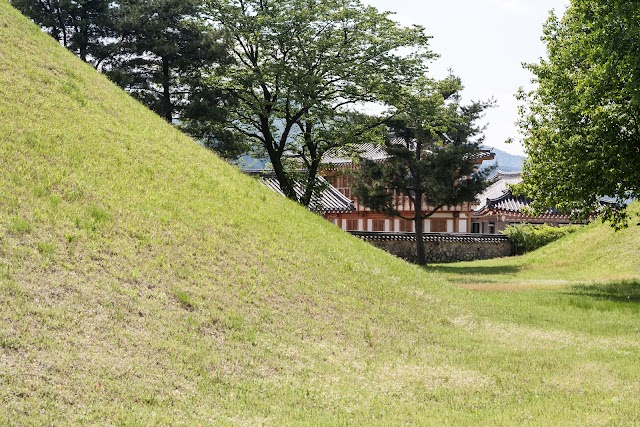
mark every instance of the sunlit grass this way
{"type": "Point", "coordinates": [595, 254]}
{"type": "Point", "coordinates": [145, 282]}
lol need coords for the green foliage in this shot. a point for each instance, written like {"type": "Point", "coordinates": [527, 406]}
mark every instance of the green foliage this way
{"type": "Point", "coordinates": [527, 237]}
{"type": "Point", "coordinates": [300, 68]}
{"type": "Point", "coordinates": [164, 45]}
{"type": "Point", "coordinates": [581, 123]}
{"type": "Point", "coordinates": [431, 151]}
{"type": "Point", "coordinates": [84, 27]}
{"type": "Point", "coordinates": [155, 50]}
{"type": "Point", "coordinates": [287, 305]}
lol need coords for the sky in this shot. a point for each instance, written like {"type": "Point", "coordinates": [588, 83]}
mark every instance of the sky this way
{"type": "Point", "coordinates": [484, 42]}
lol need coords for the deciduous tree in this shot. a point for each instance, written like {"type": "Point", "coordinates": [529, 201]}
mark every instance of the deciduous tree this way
{"type": "Point", "coordinates": [581, 124]}
{"type": "Point", "coordinates": [300, 68]}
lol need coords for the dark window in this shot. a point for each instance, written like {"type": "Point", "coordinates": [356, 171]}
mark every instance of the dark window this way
{"type": "Point", "coordinates": [378, 225]}
{"type": "Point", "coordinates": [475, 227]}
{"type": "Point", "coordinates": [406, 226]}
{"type": "Point", "coordinates": [439, 225]}
{"type": "Point", "coordinates": [352, 224]}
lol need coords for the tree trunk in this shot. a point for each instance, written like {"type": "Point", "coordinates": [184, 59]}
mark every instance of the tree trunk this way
{"type": "Point", "coordinates": [286, 183]}
{"type": "Point", "coordinates": [311, 184]}
{"type": "Point", "coordinates": [312, 170]}
{"type": "Point", "coordinates": [63, 29]}
{"type": "Point", "coordinates": [275, 156]}
{"type": "Point", "coordinates": [83, 44]}
{"type": "Point", "coordinates": [167, 107]}
{"type": "Point", "coordinates": [421, 257]}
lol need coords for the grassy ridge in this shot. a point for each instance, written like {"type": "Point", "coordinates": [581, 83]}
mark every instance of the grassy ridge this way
{"type": "Point", "coordinates": [144, 281]}
{"type": "Point", "coordinates": [595, 253]}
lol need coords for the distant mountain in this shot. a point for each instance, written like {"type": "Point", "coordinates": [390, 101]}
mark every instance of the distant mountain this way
{"type": "Point", "coordinates": [252, 163]}
{"type": "Point", "coordinates": [507, 162]}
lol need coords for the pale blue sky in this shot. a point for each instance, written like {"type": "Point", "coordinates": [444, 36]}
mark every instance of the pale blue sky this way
{"type": "Point", "coordinates": [484, 42]}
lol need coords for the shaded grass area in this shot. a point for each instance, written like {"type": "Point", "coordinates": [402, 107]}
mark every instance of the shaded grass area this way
{"type": "Point", "coordinates": [625, 292]}
{"type": "Point", "coordinates": [145, 282]}
{"type": "Point", "coordinates": [495, 270]}
{"type": "Point", "coordinates": [594, 254]}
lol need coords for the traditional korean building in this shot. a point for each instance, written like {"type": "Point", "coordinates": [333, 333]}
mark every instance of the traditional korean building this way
{"type": "Point", "coordinates": [338, 168]}
{"type": "Point", "coordinates": [499, 208]}
{"type": "Point", "coordinates": [329, 202]}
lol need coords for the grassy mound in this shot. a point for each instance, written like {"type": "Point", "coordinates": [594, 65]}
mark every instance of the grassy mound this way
{"type": "Point", "coordinates": [145, 282]}
{"type": "Point", "coordinates": [595, 253]}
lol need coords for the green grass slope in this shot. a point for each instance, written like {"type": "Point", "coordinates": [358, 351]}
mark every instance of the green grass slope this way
{"type": "Point", "coordinates": [595, 253]}
{"type": "Point", "coordinates": [145, 282]}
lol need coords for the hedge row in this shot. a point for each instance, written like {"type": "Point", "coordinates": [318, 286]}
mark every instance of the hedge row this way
{"type": "Point", "coordinates": [527, 237]}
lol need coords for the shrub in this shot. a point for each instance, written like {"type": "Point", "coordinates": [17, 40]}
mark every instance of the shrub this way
{"type": "Point", "coordinates": [527, 237]}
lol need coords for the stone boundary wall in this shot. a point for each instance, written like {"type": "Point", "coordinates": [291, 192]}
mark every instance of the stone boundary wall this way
{"type": "Point", "coordinates": [442, 247]}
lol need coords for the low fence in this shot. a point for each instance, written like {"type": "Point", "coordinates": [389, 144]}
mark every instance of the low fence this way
{"type": "Point", "coordinates": [441, 247]}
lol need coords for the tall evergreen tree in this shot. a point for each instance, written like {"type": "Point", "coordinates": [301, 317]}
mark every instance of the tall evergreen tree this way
{"type": "Point", "coordinates": [432, 157]}
{"type": "Point", "coordinates": [165, 45]}
{"type": "Point", "coordinates": [83, 26]}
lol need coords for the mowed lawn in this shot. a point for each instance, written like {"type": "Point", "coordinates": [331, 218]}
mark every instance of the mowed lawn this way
{"type": "Point", "coordinates": [143, 281]}
{"type": "Point", "coordinates": [573, 305]}
{"type": "Point", "coordinates": [588, 281]}
{"type": "Point", "coordinates": [595, 254]}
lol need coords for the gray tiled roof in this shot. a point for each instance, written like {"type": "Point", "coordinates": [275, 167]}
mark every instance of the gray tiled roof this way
{"type": "Point", "coordinates": [344, 156]}
{"type": "Point", "coordinates": [481, 155]}
{"type": "Point", "coordinates": [432, 237]}
{"type": "Point", "coordinates": [499, 188]}
{"type": "Point", "coordinates": [499, 197]}
{"type": "Point", "coordinates": [375, 152]}
{"type": "Point", "coordinates": [330, 200]}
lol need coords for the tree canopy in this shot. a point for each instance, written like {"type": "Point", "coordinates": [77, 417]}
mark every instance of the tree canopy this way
{"type": "Point", "coordinates": [582, 122]}
{"type": "Point", "coordinates": [154, 49]}
{"type": "Point", "coordinates": [164, 45]}
{"type": "Point", "coordinates": [432, 157]}
{"type": "Point", "coordinates": [300, 68]}
{"type": "Point", "coordinates": [83, 27]}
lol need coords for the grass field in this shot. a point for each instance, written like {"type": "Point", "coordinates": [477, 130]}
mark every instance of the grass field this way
{"type": "Point", "coordinates": [143, 281]}
{"type": "Point", "coordinates": [595, 254]}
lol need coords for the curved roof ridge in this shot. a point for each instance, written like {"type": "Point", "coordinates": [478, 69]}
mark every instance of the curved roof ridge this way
{"type": "Point", "coordinates": [508, 174]}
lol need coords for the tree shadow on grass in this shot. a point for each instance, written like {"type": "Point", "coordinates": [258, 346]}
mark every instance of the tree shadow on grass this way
{"type": "Point", "coordinates": [627, 291]}
{"type": "Point", "coordinates": [474, 271]}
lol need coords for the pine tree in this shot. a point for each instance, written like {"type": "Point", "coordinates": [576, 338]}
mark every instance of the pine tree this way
{"type": "Point", "coordinates": [432, 157]}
